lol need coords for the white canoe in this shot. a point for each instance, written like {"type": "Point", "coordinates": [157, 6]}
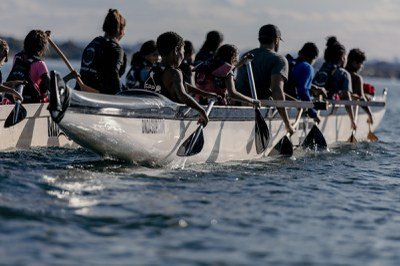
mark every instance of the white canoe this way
{"type": "Point", "coordinates": [36, 130]}
{"type": "Point", "coordinates": [148, 128]}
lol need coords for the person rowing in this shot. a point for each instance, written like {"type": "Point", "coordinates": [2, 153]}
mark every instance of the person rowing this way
{"type": "Point", "coordinates": [217, 75]}
{"type": "Point", "coordinates": [270, 70]}
{"type": "Point", "coordinates": [103, 59]}
{"type": "Point", "coordinates": [167, 79]}
{"type": "Point", "coordinates": [333, 77]}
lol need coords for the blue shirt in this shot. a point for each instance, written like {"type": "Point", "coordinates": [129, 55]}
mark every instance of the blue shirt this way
{"type": "Point", "coordinates": [302, 75]}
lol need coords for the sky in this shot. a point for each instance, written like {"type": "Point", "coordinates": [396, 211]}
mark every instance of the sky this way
{"type": "Point", "coordinates": [371, 25]}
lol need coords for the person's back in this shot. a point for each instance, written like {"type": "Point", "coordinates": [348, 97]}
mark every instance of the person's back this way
{"type": "Point", "coordinates": [30, 67]}
{"type": "Point", "coordinates": [103, 60]}
{"type": "Point", "coordinates": [270, 70]}
{"type": "Point", "coordinates": [266, 63]}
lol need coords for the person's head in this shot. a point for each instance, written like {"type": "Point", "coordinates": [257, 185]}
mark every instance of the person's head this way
{"type": "Point", "coordinates": [149, 51]}
{"type": "Point", "coordinates": [213, 41]}
{"type": "Point", "coordinates": [270, 35]}
{"type": "Point", "coordinates": [356, 59]}
{"type": "Point", "coordinates": [189, 51]}
{"type": "Point", "coordinates": [335, 52]}
{"type": "Point", "coordinates": [171, 45]}
{"type": "Point", "coordinates": [114, 24]}
{"type": "Point", "coordinates": [4, 50]}
{"type": "Point", "coordinates": [228, 53]}
{"type": "Point", "coordinates": [309, 52]}
{"type": "Point", "coordinates": [36, 43]}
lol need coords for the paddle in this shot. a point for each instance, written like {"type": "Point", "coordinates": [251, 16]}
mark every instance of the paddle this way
{"type": "Point", "coordinates": [261, 131]}
{"type": "Point", "coordinates": [314, 140]}
{"type": "Point", "coordinates": [195, 142]}
{"type": "Point", "coordinates": [371, 136]}
{"type": "Point", "coordinates": [18, 113]}
{"type": "Point", "coordinates": [352, 138]}
{"type": "Point", "coordinates": [284, 146]}
{"type": "Point", "coordinates": [83, 86]}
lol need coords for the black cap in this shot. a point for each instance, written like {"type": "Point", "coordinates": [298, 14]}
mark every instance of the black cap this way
{"type": "Point", "coordinates": [269, 32]}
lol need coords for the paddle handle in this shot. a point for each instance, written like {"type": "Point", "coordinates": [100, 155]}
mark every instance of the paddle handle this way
{"type": "Point", "coordinates": [250, 76]}
{"type": "Point", "coordinates": [70, 67]}
{"type": "Point", "coordinates": [20, 89]}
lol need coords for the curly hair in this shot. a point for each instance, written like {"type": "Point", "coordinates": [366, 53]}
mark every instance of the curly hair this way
{"type": "Point", "coordinates": [36, 43]}
{"type": "Point", "coordinates": [227, 53]}
{"type": "Point", "coordinates": [167, 42]}
{"type": "Point", "coordinates": [356, 55]}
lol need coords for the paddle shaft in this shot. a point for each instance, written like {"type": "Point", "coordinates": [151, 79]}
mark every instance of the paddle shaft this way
{"type": "Point", "coordinates": [200, 128]}
{"type": "Point", "coordinates": [70, 67]}
{"type": "Point", "coordinates": [20, 89]}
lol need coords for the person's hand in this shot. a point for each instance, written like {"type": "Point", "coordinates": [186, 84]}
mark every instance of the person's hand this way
{"type": "Point", "coordinates": [317, 120]}
{"type": "Point", "coordinates": [17, 96]}
{"type": "Point", "coordinates": [370, 120]}
{"type": "Point", "coordinates": [353, 125]}
{"type": "Point", "coordinates": [290, 129]}
{"type": "Point", "coordinates": [203, 119]}
{"type": "Point", "coordinates": [256, 103]}
{"type": "Point", "coordinates": [215, 96]}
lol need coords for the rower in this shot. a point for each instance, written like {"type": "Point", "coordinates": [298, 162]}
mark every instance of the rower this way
{"type": "Point", "coordinates": [301, 75]}
{"type": "Point", "coordinates": [332, 75]}
{"type": "Point", "coordinates": [30, 67]}
{"type": "Point", "coordinates": [167, 79]}
{"type": "Point", "coordinates": [355, 61]}
{"type": "Point", "coordinates": [103, 60]}
{"type": "Point", "coordinates": [270, 70]}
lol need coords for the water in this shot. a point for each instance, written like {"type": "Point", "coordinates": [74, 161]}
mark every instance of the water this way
{"type": "Point", "coordinates": [71, 207]}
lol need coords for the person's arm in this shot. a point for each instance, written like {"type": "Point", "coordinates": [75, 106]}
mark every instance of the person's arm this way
{"type": "Point", "coordinates": [235, 95]}
{"type": "Point", "coordinates": [192, 89]}
{"type": "Point", "coordinates": [277, 82]}
{"type": "Point", "coordinates": [358, 84]}
{"type": "Point", "coordinates": [184, 97]}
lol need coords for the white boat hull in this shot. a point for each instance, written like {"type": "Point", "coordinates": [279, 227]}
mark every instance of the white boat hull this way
{"type": "Point", "coordinates": [36, 130]}
{"type": "Point", "coordinates": [150, 128]}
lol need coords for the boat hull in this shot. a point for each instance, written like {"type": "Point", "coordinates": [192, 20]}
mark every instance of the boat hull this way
{"type": "Point", "coordinates": [36, 130]}
{"type": "Point", "coordinates": [147, 128]}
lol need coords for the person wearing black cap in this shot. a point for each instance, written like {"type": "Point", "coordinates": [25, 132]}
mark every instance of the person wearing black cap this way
{"type": "Point", "coordinates": [302, 75]}
{"type": "Point", "coordinates": [141, 64]}
{"type": "Point", "coordinates": [270, 70]}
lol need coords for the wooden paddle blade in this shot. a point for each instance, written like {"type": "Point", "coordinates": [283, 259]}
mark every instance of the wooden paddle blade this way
{"type": "Point", "coordinates": [352, 138]}
{"type": "Point", "coordinates": [314, 140]}
{"type": "Point", "coordinates": [372, 137]}
{"type": "Point", "coordinates": [261, 133]}
{"type": "Point", "coordinates": [283, 147]}
{"type": "Point", "coordinates": [193, 144]}
{"type": "Point", "coordinates": [17, 114]}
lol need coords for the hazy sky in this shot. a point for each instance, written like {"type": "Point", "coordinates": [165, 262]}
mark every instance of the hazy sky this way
{"type": "Point", "coordinates": [372, 25]}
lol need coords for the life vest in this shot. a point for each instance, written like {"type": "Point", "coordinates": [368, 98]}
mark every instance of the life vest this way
{"type": "Point", "coordinates": [210, 76]}
{"type": "Point", "coordinates": [134, 76]}
{"type": "Point", "coordinates": [324, 78]}
{"type": "Point", "coordinates": [21, 71]}
{"type": "Point", "coordinates": [154, 82]}
{"type": "Point", "coordinates": [91, 61]}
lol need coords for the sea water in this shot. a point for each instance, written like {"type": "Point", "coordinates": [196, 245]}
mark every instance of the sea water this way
{"type": "Point", "coordinates": [71, 207]}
